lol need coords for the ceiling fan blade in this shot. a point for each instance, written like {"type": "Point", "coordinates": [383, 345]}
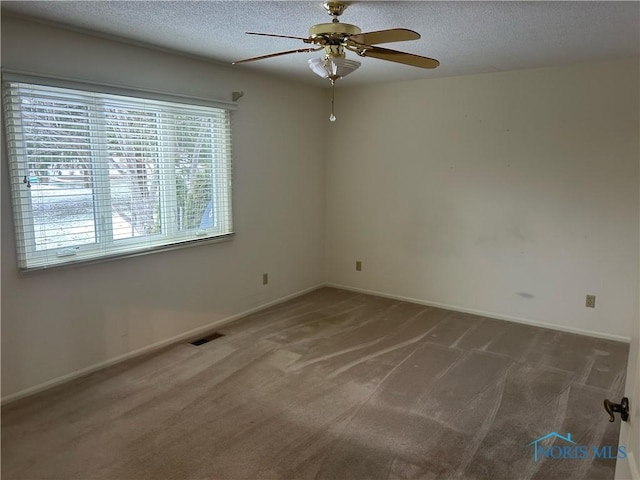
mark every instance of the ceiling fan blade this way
{"type": "Point", "coordinates": [393, 55]}
{"type": "Point", "coordinates": [385, 36]}
{"type": "Point", "coordinates": [262, 57]}
{"type": "Point", "coordinates": [305, 40]}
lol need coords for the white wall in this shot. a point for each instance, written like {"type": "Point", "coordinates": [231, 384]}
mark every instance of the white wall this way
{"type": "Point", "coordinates": [57, 322]}
{"type": "Point", "coordinates": [513, 194]}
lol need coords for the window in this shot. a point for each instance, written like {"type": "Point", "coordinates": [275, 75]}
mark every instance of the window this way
{"type": "Point", "coordinates": [96, 175]}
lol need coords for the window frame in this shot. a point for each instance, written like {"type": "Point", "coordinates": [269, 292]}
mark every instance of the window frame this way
{"type": "Point", "coordinates": [105, 247]}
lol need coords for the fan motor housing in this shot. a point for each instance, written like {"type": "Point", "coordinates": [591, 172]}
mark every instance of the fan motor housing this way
{"type": "Point", "coordinates": [333, 29]}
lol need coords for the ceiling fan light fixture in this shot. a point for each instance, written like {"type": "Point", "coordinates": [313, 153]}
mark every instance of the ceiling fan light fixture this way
{"type": "Point", "coordinates": [337, 37]}
{"type": "Point", "coordinates": [333, 67]}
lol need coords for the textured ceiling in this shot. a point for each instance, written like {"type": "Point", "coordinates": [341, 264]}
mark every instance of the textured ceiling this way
{"type": "Point", "coordinates": [467, 37]}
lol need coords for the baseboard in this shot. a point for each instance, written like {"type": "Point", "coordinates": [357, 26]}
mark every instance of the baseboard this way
{"type": "Point", "coordinates": [149, 348]}
{"type": "Point", "coordinates": [497, 316]}
{"type": "Point", "coordinates": [210, 326]}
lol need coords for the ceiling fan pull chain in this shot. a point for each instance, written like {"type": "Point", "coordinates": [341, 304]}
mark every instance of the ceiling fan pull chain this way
{"type": "Point", "coordinates": [332, 117]}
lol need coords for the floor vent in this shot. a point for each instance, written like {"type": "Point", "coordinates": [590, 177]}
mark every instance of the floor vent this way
{"type": "Point", "coordinates": [203, 340]}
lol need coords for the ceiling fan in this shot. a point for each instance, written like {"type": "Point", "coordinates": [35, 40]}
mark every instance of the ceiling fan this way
{"type": "Point", "coordinates": [336, 37]}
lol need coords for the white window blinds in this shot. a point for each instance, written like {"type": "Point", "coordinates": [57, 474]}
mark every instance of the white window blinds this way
{"type": "Point", "coordinates": [97, 175]}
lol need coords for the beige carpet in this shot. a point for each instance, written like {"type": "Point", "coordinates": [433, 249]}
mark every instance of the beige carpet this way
{"type": "Point", "coordinates": [332, 385]}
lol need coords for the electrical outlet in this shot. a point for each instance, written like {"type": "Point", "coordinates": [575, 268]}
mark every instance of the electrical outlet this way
{"type": "Point", "coordinates": [591, 301]}
{"type": "Point", "coordinates": [358, 266]}
{"type": "Point", "coordinates": [265, 278]}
